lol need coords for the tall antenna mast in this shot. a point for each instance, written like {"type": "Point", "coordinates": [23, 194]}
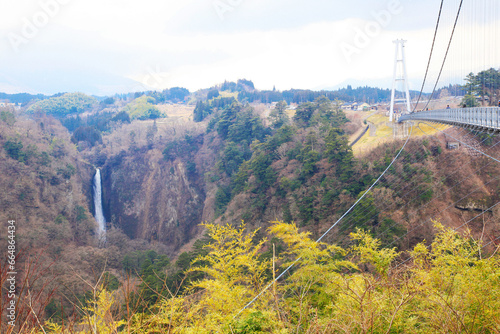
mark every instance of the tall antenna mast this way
{"type": "Point", "coordinates": [401, 75]}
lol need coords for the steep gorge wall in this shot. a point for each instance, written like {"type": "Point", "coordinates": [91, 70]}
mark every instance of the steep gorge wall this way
{"type": "Point", "coordinates": [151, 198]}
{"type": "Point", "coordinates": [44, 189]}
{"type": "Point", "coordinates": [458, 185]}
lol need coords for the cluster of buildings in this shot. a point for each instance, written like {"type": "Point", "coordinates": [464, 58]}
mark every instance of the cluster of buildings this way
{"type": "Point", "coordinates": [355, 106]}
{"type": "Point", "coordinates": [10, 105]}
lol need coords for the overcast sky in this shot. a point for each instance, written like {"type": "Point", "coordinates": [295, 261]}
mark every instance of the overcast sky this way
{"type": "Point", "coordinates": [108, 46]}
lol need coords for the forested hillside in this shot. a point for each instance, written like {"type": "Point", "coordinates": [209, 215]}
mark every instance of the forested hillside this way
{"type": "Point", "coordinates": [208, 198]}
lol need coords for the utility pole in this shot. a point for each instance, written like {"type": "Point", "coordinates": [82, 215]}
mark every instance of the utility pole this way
{"type": "Point", "coordinates": [399, 75]}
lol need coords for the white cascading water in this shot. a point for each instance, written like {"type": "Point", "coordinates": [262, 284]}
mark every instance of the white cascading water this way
{"type": "Point", "coordinates": [99, 215]}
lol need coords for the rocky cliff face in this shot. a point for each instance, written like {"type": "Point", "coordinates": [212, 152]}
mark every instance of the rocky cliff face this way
{"type": "Point", "coordinates": [152, 198]}
{"type": "Point", "coordinates": [43, 182]}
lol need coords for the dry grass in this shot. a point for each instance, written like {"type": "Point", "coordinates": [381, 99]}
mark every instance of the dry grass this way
{"type": "Point", "coordinates": [177, 111]}
{"type": "Point", "coordinates": [227, 93]}
{"type": "Point", "coordinates": [290, 112]}
{"type": "Point", "coordinates": [385, 133]}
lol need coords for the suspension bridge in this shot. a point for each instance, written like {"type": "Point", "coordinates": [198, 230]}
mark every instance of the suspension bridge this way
{"type": "Point", "coordinates": [486, 119]}
{"type": "Point", "coordinates": [481, 116]}
{"type": "Point", "coordinates": [474, 127]}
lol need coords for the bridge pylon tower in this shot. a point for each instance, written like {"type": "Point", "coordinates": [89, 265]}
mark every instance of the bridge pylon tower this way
{"type": "Point", "coordinates": [400, 76]}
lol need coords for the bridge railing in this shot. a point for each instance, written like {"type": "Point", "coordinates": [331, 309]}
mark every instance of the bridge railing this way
{"type": "Point", "coordinates": [487, 118]}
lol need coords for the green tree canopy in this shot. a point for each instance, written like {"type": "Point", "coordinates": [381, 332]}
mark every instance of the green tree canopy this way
{"type": "Point", "coordinates": [69, 103]}
{"type": "Point", "coordinates": [485, 85]}
{"type": "Point", "coordinates": [143, 108]}
{"type": "Point", "coordinates": [278, 116]}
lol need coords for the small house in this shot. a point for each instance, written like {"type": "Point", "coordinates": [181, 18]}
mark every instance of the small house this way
{"type": "Point", "coordinates": [364, 107]}
{"type": "Point", "coordinates": [346, 106]}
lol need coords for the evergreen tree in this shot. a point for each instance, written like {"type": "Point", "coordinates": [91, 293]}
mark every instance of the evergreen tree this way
{"type": "Point", "coordinates": [278, 116]}
{"type": "Point", "coordinates": [337, 150]}
{"type": "Point", "coordinates": [303, 114]}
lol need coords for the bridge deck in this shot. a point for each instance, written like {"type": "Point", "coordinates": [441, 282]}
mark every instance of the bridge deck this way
{"type": "Point", "coordinates": [482, 118]}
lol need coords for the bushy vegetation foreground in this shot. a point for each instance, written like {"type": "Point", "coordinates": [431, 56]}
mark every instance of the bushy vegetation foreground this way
{"type": "Point", "coordinates": [450, 286]}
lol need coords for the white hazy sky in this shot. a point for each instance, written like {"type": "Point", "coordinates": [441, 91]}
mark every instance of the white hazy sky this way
{"type": "Point", "coordinates": [108, 46]}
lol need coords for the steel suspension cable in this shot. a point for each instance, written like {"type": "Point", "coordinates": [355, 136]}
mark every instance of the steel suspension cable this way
{"type": "Point", "coordinates": [331, 227]}
{"type": "Point", "coordinates": [446, 54]}
{"type": "Point", "coordinates": [430, 55]}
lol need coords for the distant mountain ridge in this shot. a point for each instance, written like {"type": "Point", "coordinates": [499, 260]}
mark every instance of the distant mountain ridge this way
{"type": "Point", "coordinates": [22, 97]}
{"type": "Point", "coordinates": [246, 92]}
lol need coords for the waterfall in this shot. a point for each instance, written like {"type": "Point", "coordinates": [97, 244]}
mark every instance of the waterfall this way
{"type": "Point", "coordinates": [99, 216]}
